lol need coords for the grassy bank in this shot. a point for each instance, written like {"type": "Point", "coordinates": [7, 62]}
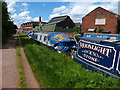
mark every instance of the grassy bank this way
{"type": "Point", "coordinates": [54, 70]}
{"type": "Point", "coordinates": [22, 83]}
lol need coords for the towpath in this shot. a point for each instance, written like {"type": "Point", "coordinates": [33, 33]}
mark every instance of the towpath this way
{"type": "Point", "coordinates": [9, 65]}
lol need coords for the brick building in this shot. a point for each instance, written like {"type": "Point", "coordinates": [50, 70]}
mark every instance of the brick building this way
{"type": "Point", "coordinates": [100, 18]}
{"type": "Point", "coordinates": [29, 26]}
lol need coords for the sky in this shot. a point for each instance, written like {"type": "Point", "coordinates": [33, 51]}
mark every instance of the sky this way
{"type": "Point", "coordinates": [22, 11]}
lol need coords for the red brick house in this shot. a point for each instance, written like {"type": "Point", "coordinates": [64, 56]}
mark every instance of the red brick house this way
{"type": "Point", "coordinates": [29, 26]}
{"type": "Point", "coordinates": [100, 18]}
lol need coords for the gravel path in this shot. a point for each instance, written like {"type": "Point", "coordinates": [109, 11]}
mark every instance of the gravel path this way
{"type": "Point", "coordinates": [9, 65]}
{"type": "Point", "coordinates": [29, 76]}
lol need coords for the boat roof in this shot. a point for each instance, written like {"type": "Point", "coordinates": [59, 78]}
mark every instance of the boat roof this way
{"type": "Point", "coordinates": [93, 39]}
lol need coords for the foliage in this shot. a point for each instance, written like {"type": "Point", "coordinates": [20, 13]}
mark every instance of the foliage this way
{"type": "Point", "coordinates": [54, 70]}
{"type": "Point", "coordinates": [8, 27]}
{"type": "Point", "coordinates": [77, 30]}
{"type": "Point", "coordinates": [100, 30]}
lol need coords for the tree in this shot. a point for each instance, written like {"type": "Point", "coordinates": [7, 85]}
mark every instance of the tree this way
{"type": "Point", "coordinates": [8, 27]}
{"type": "Point", "coordinates": [77, 28]}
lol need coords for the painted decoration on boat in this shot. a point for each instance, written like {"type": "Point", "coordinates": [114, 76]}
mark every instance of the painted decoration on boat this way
{"type": "Point", "coordinates": [57, 37]}
{"type": "Point", "coordinates": [99, 54]}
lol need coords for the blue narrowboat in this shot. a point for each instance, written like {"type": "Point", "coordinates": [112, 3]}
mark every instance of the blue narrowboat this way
{"type": "Point", "coordinates": [99, 35]}
{"type": "Point", "coordinates": [99, 54]}
{"type": "Point", "coordinates": [61, 42]}
{"type": "Point", "coordinates": [58, 41]}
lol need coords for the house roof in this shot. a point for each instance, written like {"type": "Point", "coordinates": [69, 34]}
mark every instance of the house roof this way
{"type": "Point", "coordinates": [103, 9]}
{"type": "Point", "coordinates": [58, 19]}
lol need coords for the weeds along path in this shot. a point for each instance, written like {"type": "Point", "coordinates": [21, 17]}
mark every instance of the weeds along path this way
{"type": "Point", "coordinates": [9, 64]}
{"type": "Point", "coordinates": [29, 76]}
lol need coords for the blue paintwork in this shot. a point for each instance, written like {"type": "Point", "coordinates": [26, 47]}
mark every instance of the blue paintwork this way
{"type": "Point", "coordinates": [30, 34]}
{"type": "Point", "coordinates": [102, 35]}
{"type": "Point", "coordinates": [99, 54]}
{"type": "Point", "coordinates": [61, 42]}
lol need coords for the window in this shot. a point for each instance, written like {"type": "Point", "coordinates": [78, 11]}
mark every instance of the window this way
{"type": "Point", "coordinates": [113, 37]}
{"type": "Point", "coordinates": [100, 21]}
{"type": "Point", "coordinates": [91, 29]}
{"type": "Point", "coordinates": [99, 36]}
{"type": "Point", "coordinates": [98, 12]}
{"type": "Point", "coordinates": [40, 37]}
{"type": "Point", "coordinates": [35, 37]}
{"type": "Point", "coordinates": [45, 38]}
{"type": "Point", "coordinates": [88, 35]}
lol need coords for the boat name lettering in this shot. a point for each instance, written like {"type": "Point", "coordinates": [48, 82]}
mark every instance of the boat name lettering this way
{"type": "Point", "coordinates": [103, 50]}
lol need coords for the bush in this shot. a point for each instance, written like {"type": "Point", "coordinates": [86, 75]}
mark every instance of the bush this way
{"type": "Point", "coordinates": [100, 30]}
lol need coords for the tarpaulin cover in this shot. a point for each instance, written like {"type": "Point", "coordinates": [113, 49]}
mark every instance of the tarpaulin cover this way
{"type": "Point", "coordinates": [55, 38]}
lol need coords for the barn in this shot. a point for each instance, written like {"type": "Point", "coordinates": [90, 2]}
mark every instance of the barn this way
{"type": "Point", "coordinates": [59, 24]}
{"type": "Point", "coordinates": [100, 20]}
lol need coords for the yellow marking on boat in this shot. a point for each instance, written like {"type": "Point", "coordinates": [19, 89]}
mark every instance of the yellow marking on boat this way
{"type": "Point", "coordinates": [63, 39]}
{"type": "Point", "coordinates": [58, 36]}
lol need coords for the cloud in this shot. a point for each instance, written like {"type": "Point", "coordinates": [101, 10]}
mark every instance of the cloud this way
{"type": "Point", "coordinates": [24, 13]}
{"type": "Point", "coordinates": [59, 9]}
{"type": "Point", "coordinates": [36, 19]}
{"type": "Point", "coordinates": [77, 10]}
{"type": "Point", "coordinates": [24, 4]}
{"type": "Point", "coordinates": [24, 17]}
{"type": "Point", "coordinates": [89, 1]}
{"type": "Point", "coordinates": [54, 15]}
{"type": "Point", "coordinates": [14, 16]}
{"type": "Point", "coordinates": [12, 0]}
{"type": "Point", "coordinates": [11, 6]}
{"type": "Point", "coordinates": [44, 5]}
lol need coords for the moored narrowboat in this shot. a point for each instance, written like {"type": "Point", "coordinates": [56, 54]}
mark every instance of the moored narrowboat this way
{"type": "Point", "coordinates": [99, 54]}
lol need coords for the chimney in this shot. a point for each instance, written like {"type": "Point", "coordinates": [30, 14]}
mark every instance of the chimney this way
{"type": "Point", "coordinates": [39, 19]}
{"type": "Point", "coordinates": [40, 24]}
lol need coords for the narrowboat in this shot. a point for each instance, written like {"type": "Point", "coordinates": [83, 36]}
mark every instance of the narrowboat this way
{"type": "Point", "coordinates": [101, 54]}
{"type": "Point", "coordinates": [58, 41]}
{"type": "Point", "coordinates": [61, 42]}
{"type": "Point", "coordinates": [101, 35]}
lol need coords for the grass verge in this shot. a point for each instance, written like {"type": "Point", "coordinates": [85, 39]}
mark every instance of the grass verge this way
{"type": "Point", "coordinates": [22, 83]}
{"type": "Point", "coordinates": [54, 70]}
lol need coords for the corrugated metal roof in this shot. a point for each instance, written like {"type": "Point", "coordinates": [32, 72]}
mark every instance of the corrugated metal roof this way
{"type": "Point", "coordinates": [58, 19]}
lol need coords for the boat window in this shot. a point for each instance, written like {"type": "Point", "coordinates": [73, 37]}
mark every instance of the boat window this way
{"type": "Point", "coordinates": [45, 38]}
{"type": "Point", "coordinates": [35, 36]}
{"type": "Point", "coordinates": [113, 37]}
{"type": "Point", "coordinates": [99, 36]}
{"type": "Point", "coordinates": [40, 37]}
{"type": "Point", "coordinates": [105, 36]}
{"type": "Point", "coordinates": [88, 35]}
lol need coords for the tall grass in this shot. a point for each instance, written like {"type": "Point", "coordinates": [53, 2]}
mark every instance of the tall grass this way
{"type": "Point", "coordinates": [54, 70]}
{"type": "Point", "coordinates": [22, 82]}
